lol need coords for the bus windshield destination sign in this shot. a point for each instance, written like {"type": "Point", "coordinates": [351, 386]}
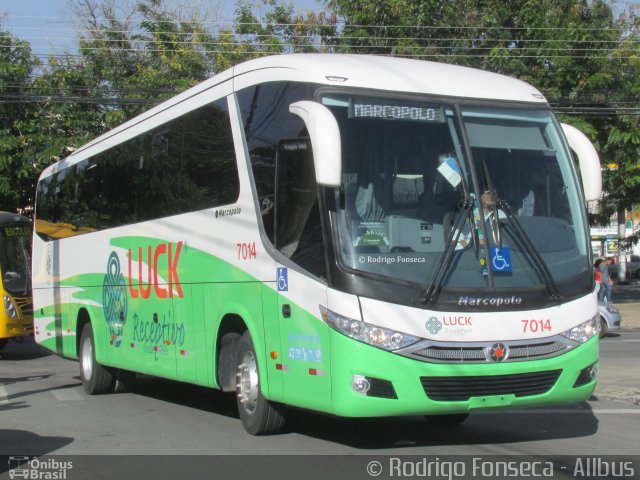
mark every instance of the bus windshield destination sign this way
{"type": "Point", "coordinates": [373, 108]}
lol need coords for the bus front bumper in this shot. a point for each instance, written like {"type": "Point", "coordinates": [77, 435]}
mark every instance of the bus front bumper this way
{"type": "Point", "coordinates": [18, 327]}
{"type": "Point", "coordinates": [399, 385]}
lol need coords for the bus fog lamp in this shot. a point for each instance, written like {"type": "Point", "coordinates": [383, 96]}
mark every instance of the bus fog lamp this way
{"type": "Point", "coordinates": [583, 332]}
{"type": "Point", "coordinates": [379, 337]}
{"type": "Point", "coordinates": [10, 307]}
{"type": "Point", "coordinates": [586, 375]}
{"type": "Point", "coordinates": [360, 384]}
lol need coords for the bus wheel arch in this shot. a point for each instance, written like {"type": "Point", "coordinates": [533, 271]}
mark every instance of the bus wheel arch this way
{"type": "Point", "coordinates": [230, 332]}
{"type": "Point", "coordinates": [83, 319]}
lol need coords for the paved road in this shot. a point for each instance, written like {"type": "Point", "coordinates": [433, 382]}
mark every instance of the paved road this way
{"type": "Point", "coordinates": [43, 410]}
{"type": "Point", "coordinates": [619, 372]}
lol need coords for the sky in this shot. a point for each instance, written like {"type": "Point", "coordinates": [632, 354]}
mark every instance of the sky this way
{"type": "Point", "coordinates": [48, 24]}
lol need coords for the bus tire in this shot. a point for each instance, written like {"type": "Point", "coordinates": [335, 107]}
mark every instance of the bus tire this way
{"type": "Point", "coordinates": [96, 379]}
{"type": "Point", "coordinates": [259, 416]}
{"type": "Point", "coordinates": [3, 342]}
{"type": "Point", "coordinates": [125, 381]}
{"type": "Point", "coordinates": [446, 420]}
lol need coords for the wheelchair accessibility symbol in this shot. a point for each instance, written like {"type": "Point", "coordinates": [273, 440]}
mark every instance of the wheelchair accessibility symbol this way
{"type": "Point", "coordinates": [500, 259]}
{"type": "Point", "coordinates": [283, 280]}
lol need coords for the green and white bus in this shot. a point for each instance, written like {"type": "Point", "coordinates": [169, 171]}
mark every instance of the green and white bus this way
{"type": "Point", "coordinates": [290, 229]}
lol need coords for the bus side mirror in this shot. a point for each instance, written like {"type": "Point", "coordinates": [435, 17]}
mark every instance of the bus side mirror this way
{"type": "Point", "coordinates": [325, 141]}
{"type": "Point", "coordinates": [589, 162]}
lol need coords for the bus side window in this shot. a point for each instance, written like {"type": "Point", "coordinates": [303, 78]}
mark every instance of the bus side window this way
{"type": "Point", "coordinates": [45, 197]}
{"type": "Point", "coordinates": [265, 128]}
{"type": "Point", "coordinates": [209, 170]}
{"type": "Point", "coordinates": [89, 195]}
{"type": "Point", "coordinates": [298, 228]}
{"type": "Point", "coordinates": [118, 204]}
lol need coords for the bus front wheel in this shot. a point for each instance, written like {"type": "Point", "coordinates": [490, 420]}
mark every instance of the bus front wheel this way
{"type": "Point", "coordinates": [96, 379]}
{"type": "Point", "coordinates": [259, 416]}
{"type": "Point", "coordinates": [3, 342]}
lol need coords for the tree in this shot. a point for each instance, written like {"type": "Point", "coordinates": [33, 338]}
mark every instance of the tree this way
{"type": "Point", "coordinates": [142, 54]}
{"type": "Point", "coordinates": [134, 54]}
{"type": "Point", "coordinates": [17, 64]}
{"type": "Point", "coordinates": [582, 56]}
{"type": "Point", "coordinates": [280, 29]}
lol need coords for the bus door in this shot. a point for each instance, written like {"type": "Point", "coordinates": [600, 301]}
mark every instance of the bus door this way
{"type": "Point", "coordinates": [298, 236]}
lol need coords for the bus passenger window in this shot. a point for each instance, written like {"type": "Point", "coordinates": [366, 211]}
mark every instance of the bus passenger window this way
{"type": "Point", "coordinates": [298, 232]}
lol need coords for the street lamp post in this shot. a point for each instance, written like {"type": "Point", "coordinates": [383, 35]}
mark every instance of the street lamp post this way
{"type": "Point", "coordinates": [622, 258]}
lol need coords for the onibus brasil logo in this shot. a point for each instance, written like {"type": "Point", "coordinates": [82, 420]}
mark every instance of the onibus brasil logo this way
{"type": "Point", "coordinates": [38, 468]}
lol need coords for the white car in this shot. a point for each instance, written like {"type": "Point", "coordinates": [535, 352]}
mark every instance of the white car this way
{"type": "Point", "coordinates": [610, 318]}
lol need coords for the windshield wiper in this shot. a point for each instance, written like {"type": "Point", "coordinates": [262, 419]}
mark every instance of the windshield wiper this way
{"type": "Point", "coordinates": [547, 277]}
{"type": "Point", "coordinates": [431, 292]}
{"type": "Point", "coordinates": [494, 218]}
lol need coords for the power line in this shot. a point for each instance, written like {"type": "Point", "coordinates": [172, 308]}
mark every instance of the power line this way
{"type": "Point", "coordinates": [530, 43]}
{"type": "Point", "coordinates": [18, 99]}
{"type": "Point", "coordinates": [584, 97]}
{"type": "Point", "coordinates": [255, 53]}
{"type": "Point", "coordinates": [318, 24]}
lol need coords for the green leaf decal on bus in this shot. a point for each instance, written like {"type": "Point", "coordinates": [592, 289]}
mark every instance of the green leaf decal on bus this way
{"type": "Point", "coordinates": [114, 299]}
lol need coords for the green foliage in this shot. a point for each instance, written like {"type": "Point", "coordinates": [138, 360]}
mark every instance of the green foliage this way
{"type": "Point", "coordinates": [16, 67]}
{"type": "Point", "coordinates": [584, 58]}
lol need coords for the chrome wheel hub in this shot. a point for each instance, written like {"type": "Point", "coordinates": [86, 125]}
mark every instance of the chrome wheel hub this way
{"type": "Point", "coordinates": [86, 359]}
{"type": "Point", "coordinates": [247, 386]}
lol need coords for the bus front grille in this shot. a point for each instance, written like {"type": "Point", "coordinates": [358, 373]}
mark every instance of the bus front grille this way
{"type": "Point", "coordinates": [25, 306]}
{"type": "Point", "coordinates": [528, 351]}
{"type": "Point", "coordinates": [434, 351]}
{"type": "Point", "coordinates": [452, 389]}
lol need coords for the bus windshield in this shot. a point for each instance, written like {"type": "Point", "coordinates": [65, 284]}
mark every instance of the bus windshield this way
{"type": "Point", "coordinates": [14, 259]}
{"type": "Point", "coordinates": [408, 169]}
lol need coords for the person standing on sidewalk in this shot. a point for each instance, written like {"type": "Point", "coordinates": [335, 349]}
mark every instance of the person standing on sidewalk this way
{"type": "Point", "coordinates": [598, 276]}
{"type": "Point", "coordinates": [606, 282]}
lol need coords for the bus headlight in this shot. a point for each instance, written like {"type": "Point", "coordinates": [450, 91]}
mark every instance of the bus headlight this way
{"type": "Point", "coordinates": [9, 307]}
{"type": "Point", "coordinates": [380, 337]}
{"type": "Point", "coordinates": [583, 332]}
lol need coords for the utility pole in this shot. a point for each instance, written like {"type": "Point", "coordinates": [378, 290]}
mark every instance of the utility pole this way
{"type": "Point", "coordinates": [622, 258]}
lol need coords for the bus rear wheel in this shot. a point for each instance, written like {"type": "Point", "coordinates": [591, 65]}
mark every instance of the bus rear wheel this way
{"type": "Point", "coordinates": [259, 416]}
{"type": "Point", "coordinates": [3, 342]}
{"type": "Point", "coordinates": [96, 379]}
